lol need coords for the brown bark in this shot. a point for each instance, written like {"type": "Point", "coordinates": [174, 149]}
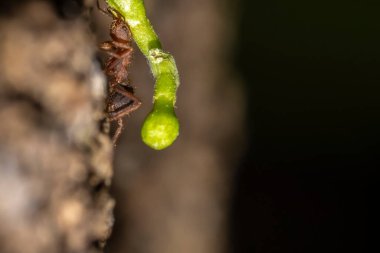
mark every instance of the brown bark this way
{"type": "Point", "coordinates": [55, 160]}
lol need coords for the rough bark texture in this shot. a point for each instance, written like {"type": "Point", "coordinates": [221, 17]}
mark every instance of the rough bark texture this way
{"type": "Point", "coordinates": [55, 161]}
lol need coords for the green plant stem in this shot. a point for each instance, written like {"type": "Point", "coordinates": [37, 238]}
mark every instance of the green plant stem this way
{"type": "Point", "coordinates": [161, 126]}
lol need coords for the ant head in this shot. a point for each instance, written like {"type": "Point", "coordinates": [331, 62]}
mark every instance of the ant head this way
{"type": "Point", "coordinates": [120, 30]}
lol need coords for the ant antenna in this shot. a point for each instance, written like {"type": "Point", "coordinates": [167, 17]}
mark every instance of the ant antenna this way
{"type": "Point", "coordinates": [104, 11]}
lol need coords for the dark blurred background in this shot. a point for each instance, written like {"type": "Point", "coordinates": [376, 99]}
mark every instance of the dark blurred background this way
{"type": "Point", "coordinates": [311, 71]}
{"type": "Point", "coordinates": [279, 144]}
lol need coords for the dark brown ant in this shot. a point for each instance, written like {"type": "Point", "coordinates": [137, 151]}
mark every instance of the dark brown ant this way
{"type": "Point", "coordinates": [121, 100]}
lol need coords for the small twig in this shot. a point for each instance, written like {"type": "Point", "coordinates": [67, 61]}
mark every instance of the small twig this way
{"type": "Point", "coordinates": [161, 126]}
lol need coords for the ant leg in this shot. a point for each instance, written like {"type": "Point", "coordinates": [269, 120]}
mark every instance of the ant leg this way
{"type": "Point", "coordinates": [118, 14]}
{"type": "Point", "coordinates": [136, 103]}
{"type": "Point", "coordinates": [123, 45]}
{"type": "Point", "coordinates": [105, 11]}
{"type": "Point", "coordinates": [109, 11]}
{"type": "Point", "coordinates": [106, 46]}
{"type": "Point", "coordinates": [118, 130]}
{"type": "Point", "coordinates": [122, 103]}
{"type": "Point", "coordinates": [113, 54]}
{"type": "Point", "coordinates": [128, 94]}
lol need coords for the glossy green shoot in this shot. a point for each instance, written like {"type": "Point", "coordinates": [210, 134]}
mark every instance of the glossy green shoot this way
{"type": "Point", "coordinates": [161, 126]}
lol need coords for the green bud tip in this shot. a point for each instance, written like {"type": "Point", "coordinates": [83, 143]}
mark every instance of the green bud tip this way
{"type": "Point", "coordinates": [160, 128]}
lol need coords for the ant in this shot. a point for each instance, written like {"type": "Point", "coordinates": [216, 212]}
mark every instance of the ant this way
{"type": "Point", "coordinates": [121, 100]}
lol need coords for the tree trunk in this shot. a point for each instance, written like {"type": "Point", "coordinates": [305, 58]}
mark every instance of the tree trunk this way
{"type": "Point", "coordinates": [55, 159]}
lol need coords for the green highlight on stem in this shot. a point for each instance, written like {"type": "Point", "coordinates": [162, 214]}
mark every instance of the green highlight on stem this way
{"type": "Point", "coordinates": [161, 127]}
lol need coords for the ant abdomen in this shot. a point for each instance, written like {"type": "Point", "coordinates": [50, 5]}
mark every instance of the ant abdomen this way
{"type": "Point", "coordinates": [119, 100]}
